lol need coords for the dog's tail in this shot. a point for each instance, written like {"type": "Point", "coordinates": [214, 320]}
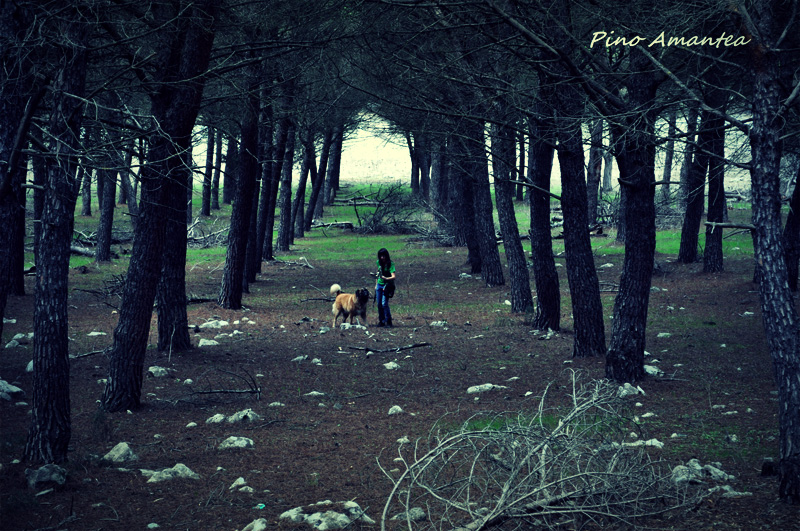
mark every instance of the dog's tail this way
{"type": "Point", "coordinates": [336, 289]}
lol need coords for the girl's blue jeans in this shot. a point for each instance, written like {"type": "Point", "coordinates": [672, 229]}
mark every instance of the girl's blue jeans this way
{"type": "Point", "coordinates": [384, 314]}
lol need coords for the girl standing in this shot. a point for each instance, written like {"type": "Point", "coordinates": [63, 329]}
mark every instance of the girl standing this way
{"type": "Point", "coordinates": [386, 275]}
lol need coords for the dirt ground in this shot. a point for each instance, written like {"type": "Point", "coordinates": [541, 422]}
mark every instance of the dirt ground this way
{"type": "Point", "coordinates": [315, 448]}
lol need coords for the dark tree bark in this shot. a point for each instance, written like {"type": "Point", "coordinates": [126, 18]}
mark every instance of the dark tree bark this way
{"type": "Point", "coordinates": [423, 156]}
{"type": "Point", "coordinates": [308, 172]}
{"type": "Point", "coordinates": [258, 213]}
{"type": "Point", "coordinates": [175, 104]}
{"type": "Point", "coordinates": [412, 154]}
{"type": "Point", "coordinates": [593, 170]}
{"type": "Point", "coordinates": [51, 425]}
{"type": "Point", "coordinates": [478, 172]}
{"type": "Point", "coordinates": [230, 295]}
{"type": "Point", "coordinates": [439, 173]}
{"type": "Point", "coordinates": [315, 206]}
{"type": "Point", "coordinates": [40, 180]}
{"type": "Point", "coordinates": [712, 255]}
{"type": "Point", "coordinates": [85, 176]}
{"type": "Point", "coordinates": [584, 287]}
{"type": "Point", "coordinates": [173, 321]}
{"type": "Point", "coordinates": [695, 183]}
{"type": "Point", "coordinates": [459, 212]}
{"type": "Point", "coordinates": [285, 126]}
{"type": "Point", "coordinates": [130, 195]}
{"type": "Point", "coordinates": [217, 173]}
{"type": "Point", "coordinates": [688, 156]}
{"type": "Point", "coordinates": [608, 168]}
{"type": "Point", "coordinates": [231, 171]}
{"type": "Point", "coordinates": [208, 174]}
{"type": "Point", "coordinates": [285, 224]}
{"type": "Point", "coordinates": [791, 236]}
{"type": "Point", "coordinates": [669, 155]}
{"type": "Point", "coordinates": [519, 191]}
{"type": "Point", "coordinates": [107, 205]}
{"type": "Point", "coordinates": [123, 176]}
{"type": "Point", "coordinates": [634, 142]}
{"type": "Point", "coordinates": [622, 211]}
{"type": "Point", "coordinates": [545, 274]}
{"type": "Point", "coordinates": [778, 309]}
{"type": "Point", "coordinates": [503, 163]}
{"type": "Point", "coordinates": [335, 164]}
{"type": "Point", "coordinates": [17, 260]}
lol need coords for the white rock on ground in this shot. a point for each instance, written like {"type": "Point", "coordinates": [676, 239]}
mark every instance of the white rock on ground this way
{"type": "Point", "coordinates": [240, 482]}
{"type": "Point", "coordinates": [246, 414]}
{"type": "Point", "coordinates": [207, 343]}
{"type": "Point", "coordinates": [47, 474]}
{"type": "Point", "coordinates": [415, 514]}
{"type": "Point", "coordinates": [483, 388]}
{"type": "Point", "coordinates": [215, 324]}
{"type": "Point", "coordinates": [260, 524]}
{"type": "Point", "coordinates": [392, 366]}
{"type": "Point", "coordinates": [8, 391]}
{"type": "Point", "coordinates": [236, 442]}
{"type": "Point", "coordinates": [121, 453]}
{"type": "Point", "coordinates": [629, 390]}
{"type": "Point", "coordinates": [159, 372]}
{"type": "Point", "coordinates": [395, 410]}
{"type": "Point", "coordinates": [176, 472]}
{"type": "Point", "coordinates": [314, 516]}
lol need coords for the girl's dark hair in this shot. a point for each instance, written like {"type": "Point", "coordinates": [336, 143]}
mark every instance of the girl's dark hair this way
{"type": "Point", "coordinates": [384, 252]}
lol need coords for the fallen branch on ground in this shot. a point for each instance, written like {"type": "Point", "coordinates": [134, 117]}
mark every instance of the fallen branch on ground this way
{"type": "Point", "coordinates": [396, 349]}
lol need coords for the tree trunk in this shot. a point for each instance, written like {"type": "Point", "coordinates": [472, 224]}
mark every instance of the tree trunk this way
{"type": "Point", "coordinates": [424, 165]}
{"type": "Point", "coordinates": [175, 105]}
{"type": "Point", "coordinates": [258, 217]}
{"type": "Point", "coordinates": [584, 287]}
{"type": "Point", "coordinates": [688, 155]}
{"type": "Point", "coordinates": [217, 172]}
{"type": "Point", "coordinates": [335, 165]}
{"type": "Point", "coordinates": [230, 295]}
{"type": "Point", "coordinates": [440, 174]}
{"type": "Point", "coordinates": [778, 309]}
{"type": "Point", "coordinates": [39, 167]}
{"type": "Point", "coordinates": [519, 191]}
{"type": "Point", "coordinates": [107, 205]}
{"type": "Point", "coordinates": [791, 236]}
{"type": "Point", "coordinates": [51, 424]}
{"type": "Point", "coordinates": [478, 172]}
{"type": "Point", "coordinates": [285, 224]}
{"type": "Point", "coordinates": [332, 176]}
{"type": "Point", "coordinates": [231, 171]}
{"type": "Point", "coordinates": [669, 156]}
{"type": "Point", "coordinates": [208, 174]}
{"type": "Point", "coordinates": [285, 126]}
{"type": "Point", "coordinates": [412, 153]}
{"type": "Point", "coordinates": [173, 322]}
{"type": "Point", "coordinates": [17, 261]}
{"type": "Point", "coordinates": [459, 212]}
{"type": "Point", "coordinates": [712, 256]}
{"type": "Point", "coordinates": [545, 274]}
{"type": "Point", "coordinates": [695, 182]}
{"type": "Point", "coordinates": [130, 195]}
{"type": "Point", "coordinates": [314, 209]}
{"type": "Point", "coordinates": [503, 162]}
{"type": "Point", "coordinates": [593, 170]}
{"type": "Point", "coordinates": [608, 167]}
{"type": "Point", "coordinates": [634, 142]}
{"type": "Point", "coordinates": [85, 176]}
{"type": "Point", "coordinates": [308, 173]}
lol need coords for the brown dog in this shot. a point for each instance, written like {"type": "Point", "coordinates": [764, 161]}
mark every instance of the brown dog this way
{"type": "Point", "coordinates": [349, 304]}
